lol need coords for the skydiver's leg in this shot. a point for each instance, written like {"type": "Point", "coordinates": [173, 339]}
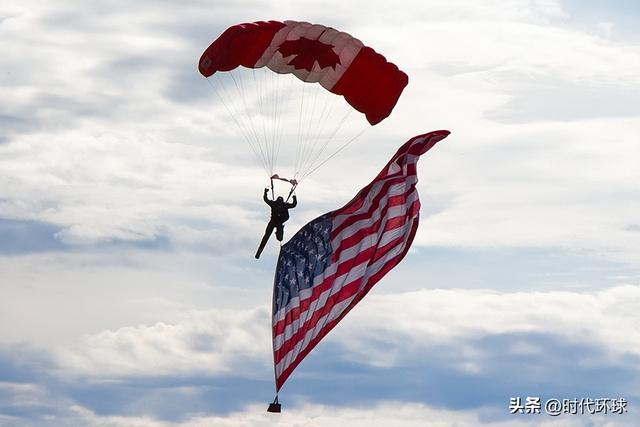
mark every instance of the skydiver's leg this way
{"type": "Point", "coordinates": [279, 232]}
{"type": "Point", "coordinates": [265, 238]}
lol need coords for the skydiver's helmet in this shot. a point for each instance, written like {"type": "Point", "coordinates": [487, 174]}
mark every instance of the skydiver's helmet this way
{"type": "Point", "coordinates": [280, 200]}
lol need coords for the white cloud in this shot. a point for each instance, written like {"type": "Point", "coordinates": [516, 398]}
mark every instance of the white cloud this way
{"type": "Point", "coordinates": [113, 187]}
{"type": "Point", "coordinates": [219, 341]}
{"type": "Point", "coordinates": [572, 187]}
{"type": "Point", "coordinates": [51, 299]}
{"type": "Point", "coordinates": [398, 414]}
{"type": "Point", "coordinates": [383, 413]}
{"type": "Point", "coordinates": [423, 321]}
{"type": "Point", "coordinates": [212, 342]}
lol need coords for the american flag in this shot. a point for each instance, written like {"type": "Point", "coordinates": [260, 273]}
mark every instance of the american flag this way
{"type": "Point", "coordinates": [332, 262]}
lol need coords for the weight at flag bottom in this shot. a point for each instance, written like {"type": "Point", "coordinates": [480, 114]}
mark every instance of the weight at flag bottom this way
{"type": "Point", "coordinates": [332, 262]}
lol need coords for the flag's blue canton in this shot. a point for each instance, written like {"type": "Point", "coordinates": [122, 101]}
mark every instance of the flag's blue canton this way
{"type": "Point", "coordinates": [301, 259]}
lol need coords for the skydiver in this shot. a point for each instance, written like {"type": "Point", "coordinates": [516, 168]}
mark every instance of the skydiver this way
{"type": "Point", "coordinates": [279, 215]}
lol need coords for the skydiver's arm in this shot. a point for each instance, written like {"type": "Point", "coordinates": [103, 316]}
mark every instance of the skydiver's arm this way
{"type": "Point", "coordinates": [295, 202]}
{"type": "Point", "coordinates": [265, 198]}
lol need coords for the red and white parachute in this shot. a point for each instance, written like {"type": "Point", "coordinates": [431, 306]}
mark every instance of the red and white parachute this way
{"type": "Point", "coordinates": [265, 59]}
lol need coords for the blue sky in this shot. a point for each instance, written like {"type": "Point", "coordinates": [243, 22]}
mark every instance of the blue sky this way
{"type": "Point", "coordinates": [130, 211]}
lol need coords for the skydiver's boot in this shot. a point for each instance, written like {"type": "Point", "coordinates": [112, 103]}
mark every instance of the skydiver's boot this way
{"type": "Point", "coordinates": [263, 243]}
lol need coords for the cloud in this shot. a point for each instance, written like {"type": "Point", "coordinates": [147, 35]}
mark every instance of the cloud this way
{"type": "Point", "coordinates": [555, 100]}
{"type": "Point", "coordinates": [402, 345]}
{"type": "Point", "coordinates": [464, 352]}
{"type": "Point", "coordinates": [55, 297]}
{"type": "Point", "coordinates": [603, 318]}
{"type": "Point", "coordinates": [27, 236]}
{"type": "Point", "coordinates": [399, 414]}
{"type": "Point", "coordinates": [557, 192]}
{"type": "Point", "coordinates": [213, 343]}
{"type": "Point", "coordinates": [94, 202]}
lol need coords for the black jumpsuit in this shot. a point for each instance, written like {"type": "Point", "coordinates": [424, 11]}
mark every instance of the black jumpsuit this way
{"type": "Point", "coordinates": [279, 215]}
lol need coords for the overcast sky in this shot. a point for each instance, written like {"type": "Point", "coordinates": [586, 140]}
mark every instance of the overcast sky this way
{"type": "Point", "coordinates": [130, 210]}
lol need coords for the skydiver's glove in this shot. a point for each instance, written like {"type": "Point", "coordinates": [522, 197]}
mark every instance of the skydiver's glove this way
{"type": "Point", "coordinates": [266, 190]}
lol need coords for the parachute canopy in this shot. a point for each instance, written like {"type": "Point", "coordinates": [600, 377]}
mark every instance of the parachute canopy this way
{"type": "Point", "coordinates": [313, 53]}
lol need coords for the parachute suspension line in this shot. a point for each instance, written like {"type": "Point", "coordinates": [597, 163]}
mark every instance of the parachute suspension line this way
{"type": "Point", "coordinates": [243, 95]}
{"type": "Point", "coordinates": [240, 89]}
{"type": "Point", "coordinates": [274, 117]}
{"type": "Point", "coordinates": [234, 115]}
{"type": "Point", "coordinates": [311, 159]}
{"type": "Point", "coordinates": [273, 193]}
{"type": "Point", "coordinates": [241, 126]}
{"type": "Point", "coordinates": [281, 100]}
{"type": "Point", "coordinates": [299, 132]}
{"type": "Point", "coordinates": [309, 164]}
{"type": "Point", "coordinates": [324, 116]}
{"type": "Point", "coordinates": [308, 142]}
{"type": "Point", "coordinates": [358, 135]}
{"type": "Point", "coordinates": [306, 123]}
{"type": "Point", "coordinates": [309, 112]}
{"type": "Point", "coordinates": [319, 123]}
{"type": "Point", "coordinates": [245, 126]}
{"type": "Point", "coordinates": [279, 127]}
{"type": "Point", "coordinates": [293, 188]}
{"type": "Point", "coordinates": [270, 103]}
{"type": "Point", "coordinates": [262, 113]}
{"type": "Point", "coordinates": [304, 113]}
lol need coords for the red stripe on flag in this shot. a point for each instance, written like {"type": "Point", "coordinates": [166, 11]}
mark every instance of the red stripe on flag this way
{"type": "Point", "coordinates": [391, 201]}
{"type": "Point", "coordinates": [345, 266]}
{"type": "Point", "coordinates": [280, 379]}
{"type": "Point", "coordinates": [364, 232]}
{"type": "Point", "coordinates": [373, 254]}
{"type": "Point", "coordinates": [360, 199]}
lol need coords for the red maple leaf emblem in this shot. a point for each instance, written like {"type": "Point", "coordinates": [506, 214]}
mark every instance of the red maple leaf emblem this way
{"type": "Point", "coordinates": [307, 52]}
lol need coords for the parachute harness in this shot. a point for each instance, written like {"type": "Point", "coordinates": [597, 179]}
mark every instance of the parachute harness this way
{"type": "Point", "coordinates": [273, 193]}
{"type": "Point", "coordinates": [294, 183]}
{"type": "Point", "coordinates": [293, 188]}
